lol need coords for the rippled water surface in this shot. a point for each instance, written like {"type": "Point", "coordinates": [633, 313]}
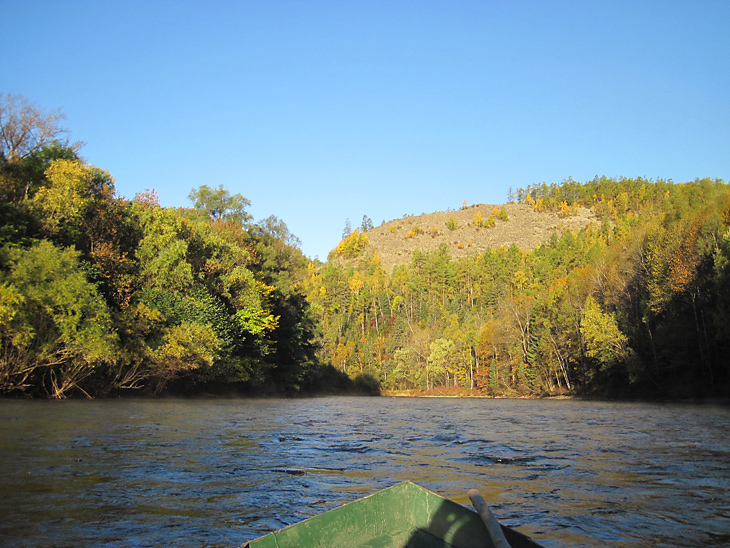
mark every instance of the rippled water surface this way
{"type": "Point", "coordinates": [219, 472]}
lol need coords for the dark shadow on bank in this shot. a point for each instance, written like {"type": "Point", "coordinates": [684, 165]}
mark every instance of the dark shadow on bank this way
{"type": "Point", "coordinates": [315, 380]}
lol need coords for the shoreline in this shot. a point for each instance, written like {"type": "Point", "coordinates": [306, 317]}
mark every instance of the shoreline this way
{"type": "Point", "coordinates": [467, 393]}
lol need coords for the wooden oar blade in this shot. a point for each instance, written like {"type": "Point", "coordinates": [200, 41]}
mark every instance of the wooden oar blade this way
{"type": "Point", "coordinates": [493, 526]}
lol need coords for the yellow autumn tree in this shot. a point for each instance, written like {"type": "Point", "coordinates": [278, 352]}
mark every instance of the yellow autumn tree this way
{"type": "Point", "coordinates": [603, 339]}
{"type": "Point", "coordinates": [72, 188]}
{"type": "Point", "coordinates": [352, 245]}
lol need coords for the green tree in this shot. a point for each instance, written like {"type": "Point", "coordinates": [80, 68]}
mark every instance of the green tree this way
{"type": "Point", "coordinates": [58, 330]}
{"type": "Point", "coordinates": [20, 178]}
{"type": "Point", "coordinates": [72, 189]}
{"type": "Point", "coordinates": [196, 273]}
{"type": "Point", "coordinates": [367, 224]}
{"type": "Point", "coordinates": [163, 249]}
{"type": "Point", "coordinates": [185, 348]}
{"type": "Point", "coordinates": [220, 205]}
{"type": "Point", "coordinates": [294, 349]}
{"type": "Point", "coordinates": [439, 361]}
{"type": "Point", "coordinates": [279, 257]}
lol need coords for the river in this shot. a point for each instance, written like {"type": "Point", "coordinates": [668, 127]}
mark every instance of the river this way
{"type": "Point", "coordinates": [215, 473]}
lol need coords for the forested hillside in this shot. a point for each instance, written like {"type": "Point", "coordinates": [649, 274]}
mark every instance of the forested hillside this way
{"type": "Point", "coordinates": [634, 304]}
{"type": "Point", "coordinates": [624, 293]}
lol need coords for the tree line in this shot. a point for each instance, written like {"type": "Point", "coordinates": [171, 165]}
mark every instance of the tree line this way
{"type": "Point", "coordinates": [100, 295]}
{"type": "Point", "coordinates": [635, 305]}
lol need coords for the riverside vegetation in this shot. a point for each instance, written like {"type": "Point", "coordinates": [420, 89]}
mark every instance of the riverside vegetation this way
{"type": "Point", "coordinates": [100, 295]}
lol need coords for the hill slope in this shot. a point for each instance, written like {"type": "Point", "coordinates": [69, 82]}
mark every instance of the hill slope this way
{"type": "Point", "coordinates": [396, 240]}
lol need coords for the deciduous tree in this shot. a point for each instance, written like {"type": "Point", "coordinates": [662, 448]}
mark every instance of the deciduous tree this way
{"type": "Point", "coordinates": [60, 329]}
{"type": "Point", "coordinates": [219, 204]}
{"type": "Point", "coordinates": [25, 128]}
{"type": "Point", "coordinates": [604, 340]}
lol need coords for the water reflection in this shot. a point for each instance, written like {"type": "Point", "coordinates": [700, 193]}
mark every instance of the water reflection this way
{"type": "Point", "coordinates": [217, 473]}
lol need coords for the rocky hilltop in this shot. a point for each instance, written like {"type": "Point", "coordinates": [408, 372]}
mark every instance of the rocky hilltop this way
{"type": "Point", "coordinates": [471, 229]}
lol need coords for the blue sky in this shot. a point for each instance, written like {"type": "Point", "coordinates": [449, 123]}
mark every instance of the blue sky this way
{"type": "Point", "coordinates": [322, 111]}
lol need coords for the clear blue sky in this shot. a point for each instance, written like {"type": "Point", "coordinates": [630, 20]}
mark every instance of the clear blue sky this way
{"type": "Point", "coordinates": [322, 111]}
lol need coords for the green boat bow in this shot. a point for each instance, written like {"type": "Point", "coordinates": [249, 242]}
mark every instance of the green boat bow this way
{"type": "Point", "coordinates": [403, 516]}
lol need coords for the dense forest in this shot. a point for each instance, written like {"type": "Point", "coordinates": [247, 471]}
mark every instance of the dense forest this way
{"type": "Point", "coordinates": [102, 296]}
{"type": "Point", "coordinates": [635, 305]}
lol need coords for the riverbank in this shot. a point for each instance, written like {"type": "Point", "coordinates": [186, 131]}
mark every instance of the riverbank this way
{"type": "Point", "coordinates": [460, 392]}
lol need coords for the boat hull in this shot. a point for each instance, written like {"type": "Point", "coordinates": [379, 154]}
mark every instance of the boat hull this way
{"type": "Point", "coordinates": [403, 516]}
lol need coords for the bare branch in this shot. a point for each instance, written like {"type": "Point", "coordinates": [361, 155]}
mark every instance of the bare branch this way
{"type": "Point", "coordinates": [25, 128]}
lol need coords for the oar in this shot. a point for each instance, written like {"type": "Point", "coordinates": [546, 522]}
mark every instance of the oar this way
{"type": "Point", "coordinates": [493, 527]}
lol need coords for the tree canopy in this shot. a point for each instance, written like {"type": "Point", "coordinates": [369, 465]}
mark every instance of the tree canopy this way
{"type": "Point", "coordinates": [219, 204]}
{"type": "Point", "coordinates": [633, 305]}
{"type": "Point", "coordinates": [100, 295]}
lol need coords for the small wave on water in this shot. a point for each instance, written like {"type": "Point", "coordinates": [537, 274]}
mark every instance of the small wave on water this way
{"type": "Point", "coordinates": [350, 448]}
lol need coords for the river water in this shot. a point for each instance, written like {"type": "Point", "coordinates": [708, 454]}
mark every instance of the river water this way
{"type": "Point", "coordinates": [215, 473]}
